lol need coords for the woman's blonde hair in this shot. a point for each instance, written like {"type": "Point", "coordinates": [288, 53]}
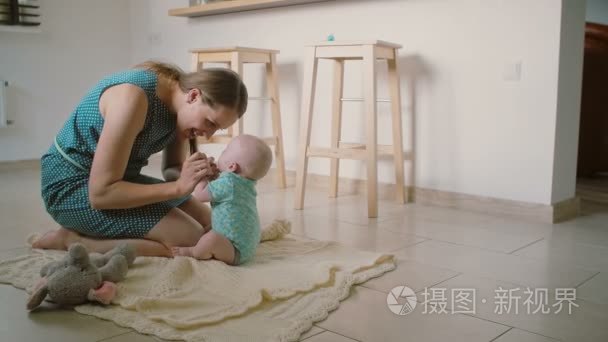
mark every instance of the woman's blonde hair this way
{"type": "Point", "coordinates": [219, 86]}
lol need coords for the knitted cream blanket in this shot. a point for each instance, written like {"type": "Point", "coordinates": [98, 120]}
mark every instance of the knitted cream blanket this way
{"type": "Point", "coordinates": [291, 283]}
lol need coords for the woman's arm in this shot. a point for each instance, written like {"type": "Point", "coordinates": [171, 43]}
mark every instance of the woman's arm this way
{"type": "Point", "coordinates": [124, 109]}
{"type": "Point", "coordinates": [174, 156]}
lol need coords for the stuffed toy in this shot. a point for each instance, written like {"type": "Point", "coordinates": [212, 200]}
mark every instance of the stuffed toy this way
{"type": "Point", "coordinates": [80, 277]}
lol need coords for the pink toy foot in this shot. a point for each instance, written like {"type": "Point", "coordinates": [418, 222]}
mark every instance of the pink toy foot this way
{"type": "Point", "coordinates": [104, 294]}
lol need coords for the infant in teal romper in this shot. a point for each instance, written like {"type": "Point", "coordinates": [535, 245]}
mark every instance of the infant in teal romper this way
{"type": "Point", "coordinates": [235, 224]}
{"type": "Point", "coordinates": [234, 213]}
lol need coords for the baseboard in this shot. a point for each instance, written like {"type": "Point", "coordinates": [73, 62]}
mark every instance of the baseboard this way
{"type": "Point", "coordinates": [534, 212]}
{"type": "Point", "coordinates": [20, 164]}
{"type": "Point", "coordinates": [567, 209]}
{"type": "Point", "coordinates": [557, 212]}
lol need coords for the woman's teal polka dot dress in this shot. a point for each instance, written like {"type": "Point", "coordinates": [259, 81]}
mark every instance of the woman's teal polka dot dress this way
{"type": "Point", "coordinates": [65, 182]}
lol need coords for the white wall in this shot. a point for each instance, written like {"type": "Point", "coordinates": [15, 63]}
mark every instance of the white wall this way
{"type": "Point", "coordinates": [49, 71]}
{"type": "Point", "coordinates": [476, 132]}
{"type": "Point", "coordinates": [568, 99]}
{"type": "Point", "coordinates": [597, 11]}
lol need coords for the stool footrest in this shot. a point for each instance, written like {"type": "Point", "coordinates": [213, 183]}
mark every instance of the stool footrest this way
{"type": "Point", "coordinates": [225, 139]}
{"type": "Point", "coordinates": [381, 149]}
{"type": "Point", "coordinates": [216, 139]}
{"type": "Point", "coordinates": [336, 153]}
{"type": "Point", "coordinates": [260, 98]}
{"type": "Point", "coordinates": [271, 141]}
{"type": "Point", "coordinates": [360, 99]}
{"type": "Point", "coordinates": [352, 151]}
{"type": "Point", "coordinates": [355, 146]}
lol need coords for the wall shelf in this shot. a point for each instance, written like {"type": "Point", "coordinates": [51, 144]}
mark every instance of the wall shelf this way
{"type": "Point", "coordinates": [234, 6]}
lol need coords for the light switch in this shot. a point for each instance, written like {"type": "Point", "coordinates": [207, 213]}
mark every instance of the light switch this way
{"type": "Point", "coordinates": [512, 71]}
{"type": "Point", "coordinates": [155, 38]}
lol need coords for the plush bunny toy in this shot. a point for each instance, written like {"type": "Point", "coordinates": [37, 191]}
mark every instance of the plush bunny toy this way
{"type": "Point", "coordinates": [80, 277]}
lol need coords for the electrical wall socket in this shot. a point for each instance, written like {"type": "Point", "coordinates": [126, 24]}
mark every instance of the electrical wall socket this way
{"type": "Point", "coordinates": [4, 119]}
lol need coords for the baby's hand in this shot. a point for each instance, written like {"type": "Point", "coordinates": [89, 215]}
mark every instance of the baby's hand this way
{"type": "Point", "coordinates": [215, 172]}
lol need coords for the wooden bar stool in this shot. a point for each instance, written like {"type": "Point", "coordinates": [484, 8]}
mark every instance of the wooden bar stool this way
{"type": "Point", "coordinates": [235, 57]}
{"type": "Point", "coordinates": [339, 52]}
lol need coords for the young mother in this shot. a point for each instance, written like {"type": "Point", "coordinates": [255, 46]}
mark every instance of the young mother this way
{"type": "Point", "coordinates": [91, 180]}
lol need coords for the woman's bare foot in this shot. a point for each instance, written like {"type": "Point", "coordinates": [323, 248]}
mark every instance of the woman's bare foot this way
{"type": "Point", "coordinates": [57, 239]}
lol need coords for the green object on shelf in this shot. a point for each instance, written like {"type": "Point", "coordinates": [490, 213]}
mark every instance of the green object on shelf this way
{"type": "Point", "coordinates": [331, 38]}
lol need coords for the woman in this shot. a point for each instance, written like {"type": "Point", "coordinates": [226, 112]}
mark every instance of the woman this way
{"type": "Point", "coordinates": [91, 181]}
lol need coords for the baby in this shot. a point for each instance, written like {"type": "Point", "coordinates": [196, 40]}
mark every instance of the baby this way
{"type": "Point", "coordinates": [235, 224]}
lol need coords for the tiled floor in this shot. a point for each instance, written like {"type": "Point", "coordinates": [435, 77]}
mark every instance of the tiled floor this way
{"type": "Point", "coordinates": [441, 250]}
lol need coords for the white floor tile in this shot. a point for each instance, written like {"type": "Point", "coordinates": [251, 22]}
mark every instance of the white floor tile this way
{"type": "Point", "coordinates": [463, 234]}
{"type": "Point", "coordinates": [364, 316]}
{"type": "Point", "coordinates": [323, 228]}
{"type": "Point", "coordinates": [312, 332]}
{"type": "Point", "coordinates": [516, 335]}
{"type": "Point", "coordinates": [329, 336]}
{"type": "Point", "coordinates": [133, 337]}
{"type": "Point", "coordinates": [353, 209]}
{"type": "Point", "coordinates": [48, 323]}
{"type": "Point", "coordinates": [472, 252]}
{"type": "Point", "coordinates": [585, 322]}
{"type": "Point", "coordinates": [16, 235]}
{"type": "Point", "coordinates": [568, 252]}
{"type": "Point", "coordinates": [280, 204]}
{"type": "Point", "coordinates": [595, 290]}
{"type": "Point", "coordinates": [587, 230]}
{"type": "Point", "coordinates": [442, 214]}
{"type": "Point", "coordinates": [515, 226]}
{"type": "Point", "coordinates": [511, 268]}
{"type": "Point", "coordinates": [412, 274]}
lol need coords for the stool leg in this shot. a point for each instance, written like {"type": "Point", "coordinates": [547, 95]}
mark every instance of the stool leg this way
{"type": "Point", "coordinates": [336, 123]}
{"type": "Point", "coordinates": [272, 82]}
{"type": "Point", "coordinates": [308, 99]}
{"type": "Point", "coordinates": [194, 62]}
{"type": "Point", "coordinates": [195, 65]}
{"type": "Point", "coordinates": [237, 66]}
{"type": "Point", "coordinates": [394, 86]}
{"type": "Point", "coordinates": [369, 98]}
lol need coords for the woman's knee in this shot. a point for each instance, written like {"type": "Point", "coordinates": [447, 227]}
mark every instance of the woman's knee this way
{"type": "Point", "coordinates": [198, 211]}
{"type": "Point", "coordinates": [177, 228]}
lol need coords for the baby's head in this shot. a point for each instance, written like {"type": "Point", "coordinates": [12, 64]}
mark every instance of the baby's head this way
{"type": "Point", "coordinates": [247, 156]}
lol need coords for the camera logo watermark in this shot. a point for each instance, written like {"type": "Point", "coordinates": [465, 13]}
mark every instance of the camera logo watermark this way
{"type": "Point", "coordinates": [402, 300]}
{"type": "Point", "coordinates": [404, 306]}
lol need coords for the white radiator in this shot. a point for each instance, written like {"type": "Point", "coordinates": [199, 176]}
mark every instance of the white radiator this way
{"type": "Point", "coordinates": [4, 121]}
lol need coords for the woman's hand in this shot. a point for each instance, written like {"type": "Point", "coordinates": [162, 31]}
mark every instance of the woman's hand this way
{"type": "Point", "coordinates": [194, 169]}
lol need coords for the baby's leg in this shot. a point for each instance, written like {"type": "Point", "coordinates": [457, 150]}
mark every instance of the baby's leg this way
{"type": "Point", "coordinates": [211, 245]}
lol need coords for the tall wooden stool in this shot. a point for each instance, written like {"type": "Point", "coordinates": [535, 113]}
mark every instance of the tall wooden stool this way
{"type": "Point", "coordinates": [235, 57]}
{"type": "Point", "coordinates": [368, 52]}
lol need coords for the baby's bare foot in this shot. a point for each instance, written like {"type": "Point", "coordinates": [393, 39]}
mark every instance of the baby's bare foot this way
{"type": "Point", "coordinates": [181, 251]}
{"type": "Point", "coordinates": [57, 239]}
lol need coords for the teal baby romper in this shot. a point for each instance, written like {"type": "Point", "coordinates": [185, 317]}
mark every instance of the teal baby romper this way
{"type": "Point", "coordinates": [234, 213]}
{"type": "Point", "coordinates": [66, 165]}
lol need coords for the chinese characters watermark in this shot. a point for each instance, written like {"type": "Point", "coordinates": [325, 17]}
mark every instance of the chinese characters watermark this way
{"type": "Point", "coordinates": [464, 301]}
